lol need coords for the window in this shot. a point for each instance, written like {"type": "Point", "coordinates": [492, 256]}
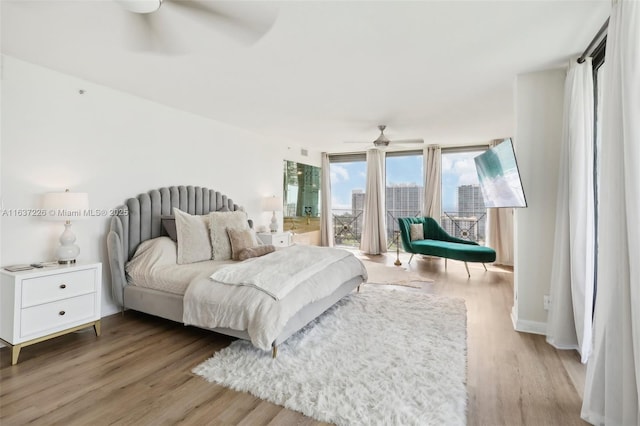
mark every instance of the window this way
{"type": "Point", "coordinates": [348, 182]}
{"type": "Point", "coordinates": [463, 212]}
{"type": "Point", "coordinates": [404, 189]}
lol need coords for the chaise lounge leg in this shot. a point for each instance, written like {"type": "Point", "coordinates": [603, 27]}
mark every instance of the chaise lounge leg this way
{"type": "Point", "coordinates": [445, 263]}
{"type": "Point", "coordinates": [485, 266]}
{"type": "Point", "coordinates": [467, 266]}
{"type": "Point", "coordinates": [274, 351]}
{"type": "Point", "coordinates": [413, 254]}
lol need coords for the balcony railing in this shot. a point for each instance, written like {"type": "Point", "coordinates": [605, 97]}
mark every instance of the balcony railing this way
{"type": "Point", "coordinates": [347, 226]}
{"type": "Point", "coordinates": [466, 225]}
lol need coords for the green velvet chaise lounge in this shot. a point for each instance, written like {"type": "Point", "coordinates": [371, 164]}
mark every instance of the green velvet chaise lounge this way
{"type": "Point", "coordinates": [436, 242]}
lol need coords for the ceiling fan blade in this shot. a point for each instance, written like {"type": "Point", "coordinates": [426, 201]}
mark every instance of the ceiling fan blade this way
{"type": "Point", "coordinates": [405, 141]}
{"type": "Point", "coordinates": [147, 33]}
{"type": "Point", "coordinates": [140, 6]}
{"type": "Point", "coordinates": [244, 21]}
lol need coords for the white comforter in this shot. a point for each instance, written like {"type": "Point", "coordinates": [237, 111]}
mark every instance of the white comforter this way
{"type": "Point", "coordinates": [211, 304]}
{"type": "Point", "coordinates": [279, 273]}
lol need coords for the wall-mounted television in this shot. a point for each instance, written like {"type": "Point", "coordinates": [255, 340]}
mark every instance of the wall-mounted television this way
{"type": "Point", "coordinates": [499, 177]}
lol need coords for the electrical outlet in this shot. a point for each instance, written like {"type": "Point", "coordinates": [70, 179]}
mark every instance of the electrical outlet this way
{"type": "Point", "coordinates": [547, 302]}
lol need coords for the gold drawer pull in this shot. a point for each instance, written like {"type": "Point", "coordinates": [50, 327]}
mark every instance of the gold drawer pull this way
{"type": "Point", "coordinates": [61, 313]}
{"type": "Point", "coordinates": [63, 286]}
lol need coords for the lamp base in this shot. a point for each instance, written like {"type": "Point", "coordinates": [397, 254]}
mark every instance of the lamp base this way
{"type": "Point", "coordinates": [273, 226]}
{"type": "Point", "coordinates": [67, 251]}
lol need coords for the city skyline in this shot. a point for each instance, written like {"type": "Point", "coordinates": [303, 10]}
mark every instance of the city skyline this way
{"type": "Point", "coordinates": [458, 168]}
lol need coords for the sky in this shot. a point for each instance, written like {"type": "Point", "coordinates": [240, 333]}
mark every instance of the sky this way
{"type": "Point", "coordinates": [457, 169]}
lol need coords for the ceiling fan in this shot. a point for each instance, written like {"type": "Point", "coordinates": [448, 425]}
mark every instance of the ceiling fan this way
{"type": "Point", "coordinates": [151, 30]}
{"type": "Point", "coordinates": [383, 141]}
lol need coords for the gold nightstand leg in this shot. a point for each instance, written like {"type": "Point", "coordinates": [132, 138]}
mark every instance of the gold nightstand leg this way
{"type": "Point", "coordinates": [15, 353]}
{"type": "Point", "coordinates": [97, 328]}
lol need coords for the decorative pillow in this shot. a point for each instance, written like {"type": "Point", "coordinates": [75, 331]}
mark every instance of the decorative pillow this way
{"type": "Point", "coordinates": [256, 251]}
{"type": "Point", "coordinates": [169, 225]}
{"type": "Point", "coordinates": [240, 239]}
{"type": "Point", "coordinates": [219, 222]}
{"type": "Point", "coordinates": [193, 237]}
{"type": "Point", "coordinates": [416, 232]}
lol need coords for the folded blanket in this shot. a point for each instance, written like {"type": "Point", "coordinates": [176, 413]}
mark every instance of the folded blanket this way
{"type": "Point", "coordinates": [278, 273]}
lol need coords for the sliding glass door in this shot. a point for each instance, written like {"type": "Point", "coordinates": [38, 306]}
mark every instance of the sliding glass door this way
{"type": "Point", "coordinates": [404, 189]}
{"type": "Point", "coordinates": [348, 182]}
{"type": "Point", "coordinates": [463, 212]}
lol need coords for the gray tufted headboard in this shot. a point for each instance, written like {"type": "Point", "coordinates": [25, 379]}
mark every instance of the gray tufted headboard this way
{"type": "Point", "coordinates": [139, 220]}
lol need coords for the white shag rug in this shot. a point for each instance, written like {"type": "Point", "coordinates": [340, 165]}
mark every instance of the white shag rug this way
{"type": "Point", "coordinates": [378, 357]}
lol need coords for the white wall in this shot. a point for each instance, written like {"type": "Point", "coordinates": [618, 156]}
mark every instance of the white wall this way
{"type": "Point", "coordinates": [539, 104]}
{"type": "Point", "coordinates": [113, 146]}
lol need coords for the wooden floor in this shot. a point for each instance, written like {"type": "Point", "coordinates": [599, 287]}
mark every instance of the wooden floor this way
{"type": "Point", "coordinates": [138, 371]}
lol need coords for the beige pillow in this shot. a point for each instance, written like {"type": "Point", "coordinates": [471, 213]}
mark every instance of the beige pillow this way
{"type": "Point", "coordinates": [256, 251]}
{"type": "Point", "coordinates": [193, 237]}
{"type": "Point", "coordinates": [219, 222]}
{"type": "Point", "coordinates": [416, 232]}
{"type": "Point", "coordinates": [239, 239]}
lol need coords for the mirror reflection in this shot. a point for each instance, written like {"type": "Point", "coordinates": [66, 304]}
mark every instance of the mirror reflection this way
{"type": "Point", "coordinates": [301, 197]}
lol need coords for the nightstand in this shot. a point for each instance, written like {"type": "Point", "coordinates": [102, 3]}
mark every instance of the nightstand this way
{"type": "Point", "coordinates": [40, 304]}
{"type": "Point", "coordinates": [276, 239]}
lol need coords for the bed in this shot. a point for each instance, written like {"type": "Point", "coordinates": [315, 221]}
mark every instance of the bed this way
{"type": "Point", "coordinates": [137, 229]}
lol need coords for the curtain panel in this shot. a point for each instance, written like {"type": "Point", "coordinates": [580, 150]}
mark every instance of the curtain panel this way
{"type": "Point", "coordinates": [611, 394]}
{"type": "Point", "coordinates": [432, 182]}
{"type": "Point", "coordinates": [500, 229]}
{"type": "Point", "coordinates": [374, 238]}
{"type": "Point", "coordinates": [569, 325]}
{"type": "Point", "coordinates": [326, 217]}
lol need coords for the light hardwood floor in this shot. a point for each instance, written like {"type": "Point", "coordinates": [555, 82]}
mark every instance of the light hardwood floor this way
{"type": "Point", "coordinates": [138, 371]}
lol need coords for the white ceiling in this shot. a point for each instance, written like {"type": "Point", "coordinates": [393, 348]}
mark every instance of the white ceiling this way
{"type": "Point", "coordinates": [324, 72]}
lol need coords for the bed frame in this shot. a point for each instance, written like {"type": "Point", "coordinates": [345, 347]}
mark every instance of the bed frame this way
{"type": "Point", "coordinates": [140, 220]}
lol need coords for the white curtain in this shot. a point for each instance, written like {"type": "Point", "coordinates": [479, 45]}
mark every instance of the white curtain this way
{"type": "Point", "coordinates": [611, 394]}
{"type": "Point", "coordinates": [569, 325]}
{"type": "Point", "coordinates": [374, 237]}
{"type": "Point", "coordinates": [432, 182]}
{"type": "Point", "coordinates": [500, 229]}
{"type": "Point", "coordinates": [500, 234]}
{"type": "Point", "coordinates": [326, 218]}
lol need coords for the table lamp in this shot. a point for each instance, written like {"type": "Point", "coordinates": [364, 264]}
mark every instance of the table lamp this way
{"type": "Point", "coordinates": [65, 206]}
{"type": "Point", "coordinates": [272, 204]}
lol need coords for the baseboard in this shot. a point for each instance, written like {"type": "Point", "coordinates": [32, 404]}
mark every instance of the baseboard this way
{"type": "Point", "coordinates": [524, 326]}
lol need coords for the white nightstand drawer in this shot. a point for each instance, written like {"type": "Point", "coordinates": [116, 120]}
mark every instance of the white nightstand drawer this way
{"type": "Point", "coordinates": [277, 239]}
{"type": "Point", "coordinates": [36, 291]}
{"type": "Point", "coordinates": [55, 315]}
{"type": "Point", "coordinates": [280, 241]}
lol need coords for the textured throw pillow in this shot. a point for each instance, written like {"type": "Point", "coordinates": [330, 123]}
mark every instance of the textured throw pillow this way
{"type": "Point", "coordinates": [240, 239]}
{"type": "Point", "coordinates": [169, 225]}
{"type": "Point", "coordinates": [416, 232]}
{"type": "Point", "coordinates": [219, 222]}
{"type": "Point", "coordinates": [193, 237]}
{"type": "Point", "coordinates": [256, 251]}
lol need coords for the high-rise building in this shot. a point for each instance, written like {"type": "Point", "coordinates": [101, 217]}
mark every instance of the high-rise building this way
{"type": "Point", "coordinates": [470, 200]}
{"type": "Point", "coordinates": [357, 201]}
{"type": "Point", "coordinates": [404, 200]}
{"type": "Point", "coordinates": [469, 221]}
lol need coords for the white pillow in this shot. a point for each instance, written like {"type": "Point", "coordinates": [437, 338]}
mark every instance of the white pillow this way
{"type": "Point", "coordinates": [193, 237]}
{"type": "Point", "coordinates": [219, 222]}
{"type": "Point", "coordinates": [416, 231]}
{"type": "Point", "coordinates": [150, 254]}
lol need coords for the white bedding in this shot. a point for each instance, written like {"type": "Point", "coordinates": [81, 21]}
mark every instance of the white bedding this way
{"type": "Point", "coordinates": [210, 304]}
{"type": "Point", "coordinates": [280, 272]}
{"type": "Point", "coordinates": [154, 265]}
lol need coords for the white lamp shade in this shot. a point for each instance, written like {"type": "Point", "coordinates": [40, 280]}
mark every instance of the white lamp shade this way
{"type": "Point", "coordinates": [272, 204]}
{"type": "Point", "coordinates": [65, 205]}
